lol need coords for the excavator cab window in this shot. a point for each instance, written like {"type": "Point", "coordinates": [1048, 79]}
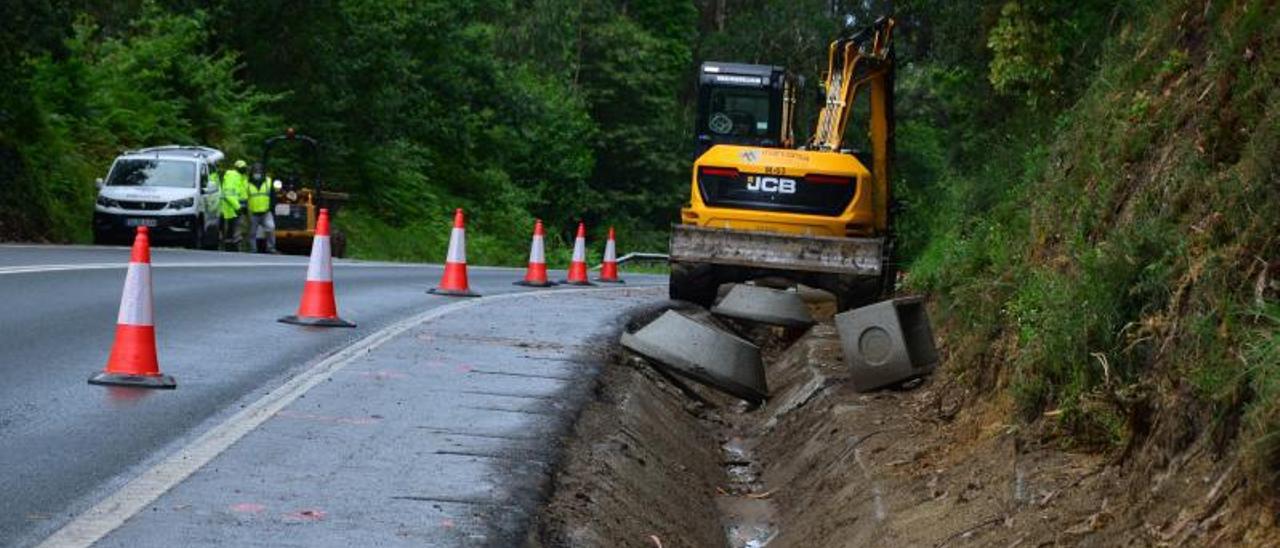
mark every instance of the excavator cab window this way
{"type": "Point", "coordinates": [739, 112]}
{"type": "Point", "coordinates": [740, 104]}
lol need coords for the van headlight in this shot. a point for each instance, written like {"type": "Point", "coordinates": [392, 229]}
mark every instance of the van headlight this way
{"type": "Point", "coordinates": [107, 202]}
{"type": "Point", "coordinates": [182, 204]}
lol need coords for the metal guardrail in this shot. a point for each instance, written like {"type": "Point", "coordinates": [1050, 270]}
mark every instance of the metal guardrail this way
{"type": "Point", "coordinates": [640, 258]}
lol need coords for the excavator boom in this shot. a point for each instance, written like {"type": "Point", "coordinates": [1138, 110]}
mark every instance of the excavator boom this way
{"type": "Point", "coordinates": [852, 63]}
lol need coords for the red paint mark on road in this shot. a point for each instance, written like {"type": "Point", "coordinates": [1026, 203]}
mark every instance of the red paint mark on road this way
{"type": "Point", "coordinates": [463, 369]}
{"type": "Point", "coordinates": [248, 508]}
{"type": "Point", "coordinates": [309, 514]}
{"type": "Point", "coordinates": [359, 421]}
{"type": "Point", "coordinates": [383, 375]}
{"type": "Point", "coordinates": [447, 523]}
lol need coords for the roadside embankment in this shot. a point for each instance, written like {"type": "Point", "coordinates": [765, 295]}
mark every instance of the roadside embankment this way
{"type": "Point", "coordinates": [640, 469]}
{"type": "Point", "coordinates": [655, 461]}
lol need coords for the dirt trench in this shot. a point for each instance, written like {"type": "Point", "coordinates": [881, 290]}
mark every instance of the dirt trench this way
{"type": "Point", "coordinates": [657, 462]}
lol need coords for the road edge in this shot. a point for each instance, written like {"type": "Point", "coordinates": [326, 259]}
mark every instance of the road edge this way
{"type": "Point", "coordinates": [116, 508]}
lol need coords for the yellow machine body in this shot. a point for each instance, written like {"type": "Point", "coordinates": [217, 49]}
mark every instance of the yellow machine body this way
{"type": "Point", "coordinates": [861, 217]}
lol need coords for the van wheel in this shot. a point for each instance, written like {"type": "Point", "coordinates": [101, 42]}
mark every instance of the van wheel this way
{"type": "Point", "coordinates": [197, 235]}
{"type": "Point", "coordinates": [211, 239]}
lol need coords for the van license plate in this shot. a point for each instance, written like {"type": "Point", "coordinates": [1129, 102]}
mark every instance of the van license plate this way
{"type": "Point", "coordinates": [140, 222]}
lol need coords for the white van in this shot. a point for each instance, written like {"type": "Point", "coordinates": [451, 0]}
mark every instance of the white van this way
{"type": "Point", "coordinates": [167, 189]}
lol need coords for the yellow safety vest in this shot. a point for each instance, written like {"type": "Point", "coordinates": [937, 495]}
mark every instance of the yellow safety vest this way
{"type": "Point", "coordinates": [234, 188]}
{"type": "Point", "coordinates": [260, 196]}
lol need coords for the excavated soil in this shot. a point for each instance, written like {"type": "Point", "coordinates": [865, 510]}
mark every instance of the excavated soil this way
{"type": "Point", "coordinates": [656, 462]}
{"type": "Point", "coordinates": [640, 469]}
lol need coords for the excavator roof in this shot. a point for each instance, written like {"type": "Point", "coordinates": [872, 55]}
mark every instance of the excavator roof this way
{"type": "Point", "coordinates": [739, 74]}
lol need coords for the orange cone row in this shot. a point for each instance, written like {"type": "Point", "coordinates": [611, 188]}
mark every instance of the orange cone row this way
{"type": "Point", "coordinates": [454, 282]}
{"type": "Point", "coordinates": [133, 361]}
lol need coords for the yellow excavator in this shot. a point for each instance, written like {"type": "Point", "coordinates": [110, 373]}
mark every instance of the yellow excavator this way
{"type": "Point", "coordinates": [819, 214]}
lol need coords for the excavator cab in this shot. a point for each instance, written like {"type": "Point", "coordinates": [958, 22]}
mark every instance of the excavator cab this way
{"type": "Point", "coordinates": [742, 104]}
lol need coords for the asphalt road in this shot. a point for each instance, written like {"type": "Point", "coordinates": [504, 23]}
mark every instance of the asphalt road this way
{"type": "Point", "coordinates": [66, 444]}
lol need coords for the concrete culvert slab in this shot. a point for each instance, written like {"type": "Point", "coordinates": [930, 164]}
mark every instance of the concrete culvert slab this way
{"type": "Point", "coordinates": [887, 343]}
{"type": "Point", "coordinates": [702, 353]}
{"type": "Point", "coordinates": [765, 305]}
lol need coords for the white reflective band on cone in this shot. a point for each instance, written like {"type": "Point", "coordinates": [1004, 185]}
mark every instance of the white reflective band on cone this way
{"type": "Point", "coordinates": [457, 246]}
{"type": "Point", "coordinates": [537, 253]}
{"type": "Point", "coordinates": [321, 267]}
{"type": "Point", "coordinates": [135, 302]}
{"type": "Point", "coordinates": [610, 252]}
{"type": "Point", "coordinates": [579, 250]}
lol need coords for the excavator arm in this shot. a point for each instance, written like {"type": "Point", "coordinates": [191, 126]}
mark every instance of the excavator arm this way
{"type": "Point", "coordinates": [862, 62]}
{"type": "Point", "coordinates": [853, 63]}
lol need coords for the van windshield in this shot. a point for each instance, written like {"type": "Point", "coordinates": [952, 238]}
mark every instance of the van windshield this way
{"type": "Point", "coordinates": [165, 173]}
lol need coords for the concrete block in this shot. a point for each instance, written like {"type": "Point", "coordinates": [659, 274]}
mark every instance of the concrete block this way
{"type": "Point", "coordinates": [765, 305]}
{"type": "Point", "coordinates": [887, 343]}
{"type": "Point", "coordinates": [702, 353]}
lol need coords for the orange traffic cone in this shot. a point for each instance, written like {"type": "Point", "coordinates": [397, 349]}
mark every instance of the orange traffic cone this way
{"type": "Point", "coordinates": [609, 269]}
{"type": "Point", "coordinates": [318, 307]}
{"type": "Point", "coordinates": [454, 282]}
{"type": "Point", "coordinates": [133, 356]}
{"type": "Point", "coordinates": [536, 276]}
{"type": "Point", "coordinates": [578, 267]}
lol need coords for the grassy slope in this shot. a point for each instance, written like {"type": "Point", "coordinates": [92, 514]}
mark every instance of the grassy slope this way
{"type": "Point", "coordinates": [1112, 289]}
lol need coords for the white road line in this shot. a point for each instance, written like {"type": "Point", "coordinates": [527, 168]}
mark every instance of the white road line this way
{"type": "Point", "coordinates": [37, 268]}
{"type": "Point", "coordinates": [27, 269]}
{"type": "Point", "coordinates": [134, 496]}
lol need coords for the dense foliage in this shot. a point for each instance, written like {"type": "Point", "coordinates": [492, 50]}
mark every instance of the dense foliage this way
{"type": "Point", "coordinates": [1090, 185]}
{"type": "Point", "coordinates": [561, 110]}
{"type": "Point", "coordinates": [1093, 190]}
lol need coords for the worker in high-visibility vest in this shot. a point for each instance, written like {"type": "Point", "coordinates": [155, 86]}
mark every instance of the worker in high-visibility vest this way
{"type": "Point", "coordinates": [262, 222]}
{"type": "Point", "coordinates": [235, 189]}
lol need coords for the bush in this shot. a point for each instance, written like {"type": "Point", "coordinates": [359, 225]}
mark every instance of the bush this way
{"type": "Point", "coordinates": [151, 85]}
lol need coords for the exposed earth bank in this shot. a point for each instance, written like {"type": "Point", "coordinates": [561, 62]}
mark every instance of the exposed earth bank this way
{"type": "Point", "coordinates": [655, 461]}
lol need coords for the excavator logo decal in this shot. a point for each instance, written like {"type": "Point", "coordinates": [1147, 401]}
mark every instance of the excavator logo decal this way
{"type": "Point", "coordinates": [776, 185]}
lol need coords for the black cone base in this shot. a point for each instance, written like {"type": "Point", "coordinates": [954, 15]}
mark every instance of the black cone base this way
{"type": "Point", "coordinates": [604, 281]}
{"type": "Point", "coordinates": [316, 322]}
{"type": "Point", "coordinates": [452, 292]}
{"type": "Point", "coordinates": [527, 283]}
{"type": "Point", "coordinates": [582, 283]}
{"type": "Point", "coordinates": [140, 381]}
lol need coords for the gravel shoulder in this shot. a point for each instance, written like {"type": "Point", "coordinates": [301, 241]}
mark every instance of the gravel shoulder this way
{"type": "Point", "coordinates": [446, 435]}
